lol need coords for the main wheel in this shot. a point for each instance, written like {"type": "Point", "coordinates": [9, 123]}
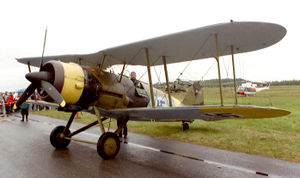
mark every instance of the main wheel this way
{"type": "Point", "coordinates": [57, 138]}
{"type": "Point", "coordinates": [108, 145]}
{"type": "Point", "coordinates": [185, 126]}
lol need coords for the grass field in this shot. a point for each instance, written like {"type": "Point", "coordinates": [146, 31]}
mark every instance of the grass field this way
{"type": "Point", "coordinates": [277, 137]}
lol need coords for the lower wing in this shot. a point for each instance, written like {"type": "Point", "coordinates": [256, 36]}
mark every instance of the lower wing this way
{"type": "Point", "coordinates": [190, 113]}
{"type": "Point", "coordinates": [208, 113]}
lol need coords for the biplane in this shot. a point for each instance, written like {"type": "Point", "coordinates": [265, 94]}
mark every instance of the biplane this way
{"type": "Point", "coordinates": [81, 82]}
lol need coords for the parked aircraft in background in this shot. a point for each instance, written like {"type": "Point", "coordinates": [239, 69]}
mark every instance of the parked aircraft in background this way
{"type": "Point", "coordinates": [249, 88]}
{"type": "Point", "coordinates": [180, 85]}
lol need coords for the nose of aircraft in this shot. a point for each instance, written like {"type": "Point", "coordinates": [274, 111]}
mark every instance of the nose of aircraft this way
{"type": "Point", "coordinates": [44, 80]}
{"type": "Point", "coordinates": [39, 76]}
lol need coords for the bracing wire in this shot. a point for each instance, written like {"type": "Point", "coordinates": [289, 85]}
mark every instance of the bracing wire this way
{"type": "Point", "coordinates": [197, 52]}
{"type": "Point", "coordinates": [150, 65]}
{"type": "Point", "coordinates": [207, 71]}
{"type": "Point", "coordinates": [157, 75]}
{"type": "Point", "coordinates": [226, 67]}
{"type": "Point", "coordinates": [158, 78]}
{"type": "Point", "coordinates": [180, 74]}
{"type": "Point", "coordinates": [224, 63]}
{"type": "Point", "coordinates": [160, 71]}
{"type": "Point", "coordinates": [186, 74]}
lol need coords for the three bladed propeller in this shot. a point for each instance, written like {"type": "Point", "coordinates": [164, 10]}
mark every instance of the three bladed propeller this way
{"type": "Point", "coordinates": [41, 80]}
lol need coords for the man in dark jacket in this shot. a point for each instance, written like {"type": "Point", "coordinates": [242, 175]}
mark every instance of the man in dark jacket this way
{"type": "Point", "coordinates": [24, 111]}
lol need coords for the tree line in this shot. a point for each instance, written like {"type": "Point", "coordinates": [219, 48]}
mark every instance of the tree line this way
{"type": "Point", "coordinates": [285, 82]}
{"type": "Point", "coordinates": [229, 83]}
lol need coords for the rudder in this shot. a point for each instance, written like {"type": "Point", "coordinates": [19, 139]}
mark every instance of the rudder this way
{"type": "Point", "coordinates": [194, 95]}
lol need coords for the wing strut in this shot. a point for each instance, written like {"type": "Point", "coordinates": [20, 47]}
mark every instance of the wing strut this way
{"type": "Point", "coordinates": [234, 80]}
{"type": "Point", "coordinates": [99, 119]}
{"type": "Point", "coordinates": [167, 80]}
{"type": "Point", "coordinates": [122, 72]}
{"type": "Point", "coordinates": [102, 62]}
{"type": "Point", "coordinates": [29, 68]}
{"type": "Point", "coordinates": [149, 77]}
{"type": "Point", "coordinates": [219, 73]}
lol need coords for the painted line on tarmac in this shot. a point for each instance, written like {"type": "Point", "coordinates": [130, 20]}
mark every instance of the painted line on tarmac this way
{"type": "Point", "coordinates": [217, 164]}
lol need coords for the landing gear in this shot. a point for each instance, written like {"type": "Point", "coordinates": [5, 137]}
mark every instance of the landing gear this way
{"type": "Point", "coordinates": [108, 145]}
{"type": "Point", "coordinates": [60, 133]}
{"type": "Point", "coordinates": [57, 137]}
{"type": "Point", "coordinates": [185, 126]}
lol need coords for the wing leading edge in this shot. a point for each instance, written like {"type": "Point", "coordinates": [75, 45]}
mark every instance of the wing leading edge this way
{"type": "Point", "coordinates": [183, 46]}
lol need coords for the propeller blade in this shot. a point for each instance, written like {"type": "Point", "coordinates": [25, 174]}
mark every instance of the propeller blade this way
{"type": "Point", "coordinates": [53, 93]}
{"type": "Point", "coordinates": [45, 37]}
{"type": "Point", "coordinates": [27, 93]}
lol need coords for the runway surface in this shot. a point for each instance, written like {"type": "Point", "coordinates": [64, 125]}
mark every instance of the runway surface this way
{"type": "Point", "coordinates": [25, 151]}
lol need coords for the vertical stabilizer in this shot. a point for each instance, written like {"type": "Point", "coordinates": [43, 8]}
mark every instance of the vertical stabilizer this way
{"type": "Point", "coordinates": [194, 95]}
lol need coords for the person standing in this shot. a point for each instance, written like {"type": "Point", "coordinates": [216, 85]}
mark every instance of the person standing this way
{"type": "Point", "coordinates": [119, 122]}
{"type": "Point", "coordinates": [9, 103]}
{"type": "Point", "coordinates": [2, 104]}
{"type": "Point", "coordinates": [124, 132]}
{"type": "Point", "coordinates": [24, 111]}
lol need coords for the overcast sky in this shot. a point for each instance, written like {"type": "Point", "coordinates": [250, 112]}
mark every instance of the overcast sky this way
{"type": "Point", "coordinates": [89, 26]}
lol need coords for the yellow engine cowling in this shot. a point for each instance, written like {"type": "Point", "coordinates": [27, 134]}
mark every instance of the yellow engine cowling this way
{"type": "Point", "coordinates": [76, 84]}
{"type": "Point", "coordinates": [73, 82]}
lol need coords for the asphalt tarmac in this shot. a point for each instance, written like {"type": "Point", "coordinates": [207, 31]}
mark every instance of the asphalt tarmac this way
{"type": "Point", "coordinates": [25, 151]}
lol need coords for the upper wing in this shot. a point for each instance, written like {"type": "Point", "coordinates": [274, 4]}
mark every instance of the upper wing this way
{"type": "Point", "coordinates": [183, 46]}
{"type": "Point", "coordinates": [208, 113]}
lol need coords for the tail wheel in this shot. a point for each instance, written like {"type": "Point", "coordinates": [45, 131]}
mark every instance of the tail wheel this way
{"type": "Point", "coordinates": [108, 145]}
{"type": "Point", "coordinates": [57, 137]}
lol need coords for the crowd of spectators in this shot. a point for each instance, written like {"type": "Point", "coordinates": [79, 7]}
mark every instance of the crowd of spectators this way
{"type": "Point", "coordinates": [7, 101]}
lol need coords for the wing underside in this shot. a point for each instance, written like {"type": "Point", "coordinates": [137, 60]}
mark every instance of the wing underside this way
{"type": "Point", "coordinates": [189, 45]}
{"type": "Point", "coordinates": [208, 113]}
{"type": "Point", "coordinates": [191, 113]}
